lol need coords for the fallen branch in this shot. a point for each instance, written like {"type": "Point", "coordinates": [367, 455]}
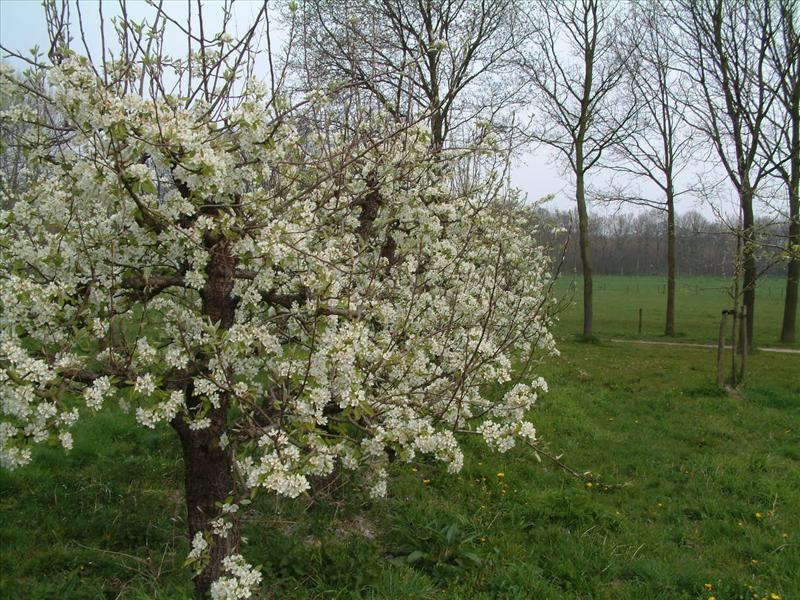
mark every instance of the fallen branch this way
{"type": "Point", "coordinates": [585, 476]}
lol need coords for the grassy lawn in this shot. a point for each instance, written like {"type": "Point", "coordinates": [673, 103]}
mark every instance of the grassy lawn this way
{"type": "Point", "coordinates": [698, 302]}
{"type": "Point", "coordinates": [711, 496]}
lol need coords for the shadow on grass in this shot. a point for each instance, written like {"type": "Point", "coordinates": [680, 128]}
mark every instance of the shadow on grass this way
{"type": "Point", "coordinates": [587, 339]}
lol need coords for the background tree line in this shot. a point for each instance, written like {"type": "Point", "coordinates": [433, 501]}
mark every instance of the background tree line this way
{"type": "Point", "coordinates": [636, 244]}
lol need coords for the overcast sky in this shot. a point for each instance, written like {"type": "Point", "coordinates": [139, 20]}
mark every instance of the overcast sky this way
{"type": "Point", "coordinates": [22, 27]}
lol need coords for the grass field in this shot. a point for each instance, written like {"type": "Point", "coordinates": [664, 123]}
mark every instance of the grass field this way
{"type": "Point", "coordinates": [698, 302]}
{"type": "Point", "coordinates": [711, 497]}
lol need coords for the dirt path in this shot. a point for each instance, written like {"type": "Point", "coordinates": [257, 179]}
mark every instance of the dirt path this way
{"type": "Point", "coordinates": [697, 345]}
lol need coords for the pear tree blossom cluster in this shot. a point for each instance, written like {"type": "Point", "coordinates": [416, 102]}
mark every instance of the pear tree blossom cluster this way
{"type": "Point", "coordinates": [314, 300]}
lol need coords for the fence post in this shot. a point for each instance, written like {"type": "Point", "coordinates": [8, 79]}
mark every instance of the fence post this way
{"type": "Point", "coordinates": [640, 321]}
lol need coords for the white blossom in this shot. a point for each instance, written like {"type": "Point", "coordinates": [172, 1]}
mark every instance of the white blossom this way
{"type": "Point", "coordinates": [144, 385]}
{"type": "Point", "coordinates": [240, 580]}
{"type": "Point", "coordinates": [95, 393]}
{"type": "Point", "coordinates": [65, 438]}
{"type": "Point", "coordinates": [199, 546]}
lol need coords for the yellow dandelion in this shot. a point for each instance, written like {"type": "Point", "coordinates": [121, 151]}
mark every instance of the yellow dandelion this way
{"type": "Point", "coordinates": [708, 586]}
{"type": "Point", "coordinates": [774, 596]}
{"type": "Point", "coordinates": [759, 515]}
{"type": "Point", "coordinates": [501, 474]}
{"type": "Point", "coordinates": [426, 481]}
{"type": "Point", "coordinates": [589, 484]}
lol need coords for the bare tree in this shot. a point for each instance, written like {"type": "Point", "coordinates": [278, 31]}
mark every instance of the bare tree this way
{"type": "Point", "coordinates": [447, 59]}
{"type": "Point", "coordinates": [784, 57]}
{"type": "Point", "coordinates": [725, 46]}
{"type": "Point", "coordinates": [656, 149]}
{"type": "Point", "coordinates": [577, 70]}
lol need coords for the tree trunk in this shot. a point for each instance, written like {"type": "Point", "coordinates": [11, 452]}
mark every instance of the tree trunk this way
{"type": "Point", "coordinates": [437, 129]}
{"type": "Point", "coordinates": [789, 324]}
{"type": "Point", "coordinates": [583, 226]}
{"type": "Point", "coordinates": [209, 468]}
{"type": "Point", "coordinates": [669, 328]}
{"type": "Point", "coordinates": [721, 349]}
{"type": "Point", "coordinates": [736, 301]}
{"type": "Point", "coordinates": [209, 479]}
{"type": "Point", "coordinates": [749, 259]}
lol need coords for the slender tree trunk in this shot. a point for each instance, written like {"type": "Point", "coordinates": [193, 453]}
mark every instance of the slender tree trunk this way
{"type": "Point", "coordinates": [669, 328]}
{"type": "Point", "coordinates": [437, 129]}
{"type": "Point", "coordinates": [748, 254]}
{"type": "Point", "coordinates": [583, 226]}
{"type": "Point", "coordinates": [434, 101]}
{"type": "Point", "coordinates": [721, 349]}
{"type": "Point", "coordinates": [789, 324]}
{"type": "Point", "coordinates": [209, 479]}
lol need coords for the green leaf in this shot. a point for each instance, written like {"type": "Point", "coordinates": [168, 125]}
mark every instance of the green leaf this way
{"type": "Point", "coordinates": [148, 187]}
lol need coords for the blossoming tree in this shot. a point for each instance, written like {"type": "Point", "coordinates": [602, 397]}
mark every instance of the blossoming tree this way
{"type": "Point", "coordinates": [290, 300]}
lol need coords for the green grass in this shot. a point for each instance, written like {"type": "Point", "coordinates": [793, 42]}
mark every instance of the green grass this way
{"type": "Point", "coordinates": [107, 521]}
{"type": "Point", "coordinates": [698, 303]}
